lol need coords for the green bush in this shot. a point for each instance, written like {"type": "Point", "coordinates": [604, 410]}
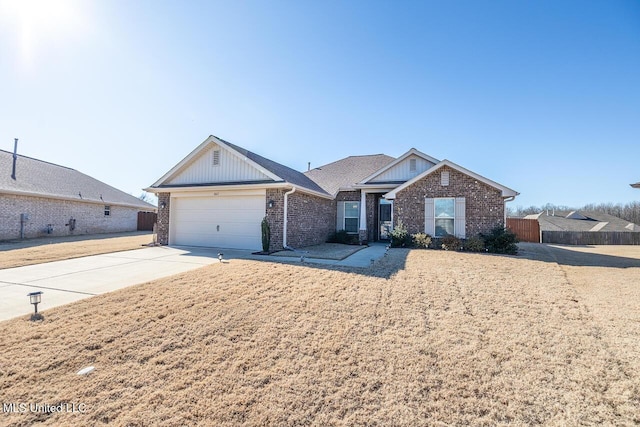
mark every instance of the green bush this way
{"type": "Point", "coordinates": [501, 241]}
{"type": "Point", "coordinates": [421, 240]}
{"type": "Point", "coordinates": [474, 244]}
{"type": "Point", "coordinates": [451, 243]}
{"type": "Point", "coordinates": [400, 236]}
{"type": "Point", "coordinates": [266, 235]}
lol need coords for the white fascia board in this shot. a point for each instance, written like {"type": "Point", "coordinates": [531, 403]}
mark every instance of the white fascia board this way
{"type": "Point", "coordinates": [372, 188]}
{"type": "Point", "coordinates": [398, 160]}
{"type": "Point", "coordinates": [183, 162]}
{"type": "Point", "coordinates": [506, 191]}
{"type": "Point", "coordinates": [76, 199]}
{"type": "Point", "coordinates": [251, 162]}
{"type": "Point", "coordinates": [200, 188]}
{"type": "Point", "coordinates": [211, 139]}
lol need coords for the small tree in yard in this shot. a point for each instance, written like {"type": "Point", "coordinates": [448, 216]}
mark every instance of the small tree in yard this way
{"type": "Point", "coordinates": [266, 235]}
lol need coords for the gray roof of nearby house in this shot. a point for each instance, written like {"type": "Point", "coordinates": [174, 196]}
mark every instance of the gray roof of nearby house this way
{"type": "Point", "coordinates": [594, 221]}
{"type": "Point", "coordinates": [39, 178]}
{"type": "Point", "coordinates": [347, 172]}
{"type": "Point", "coordinates": [289, 175]}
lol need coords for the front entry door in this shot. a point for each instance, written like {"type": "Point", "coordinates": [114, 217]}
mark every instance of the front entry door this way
{"type": "Point", "coordinates": [385, 207]}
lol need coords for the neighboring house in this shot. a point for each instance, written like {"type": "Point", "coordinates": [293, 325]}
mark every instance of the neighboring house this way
{"type": "Point", "coordinates": [582, 221]}
{"type": "Point", "coordinates": [218, 195]}
{"type": "Point", "coordinates": [38, 198]}
{"type": "Point", "coordinates": [636, 185]}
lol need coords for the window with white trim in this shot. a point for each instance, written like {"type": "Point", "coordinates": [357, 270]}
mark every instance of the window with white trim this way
{"type": "Point", "coordinates": [351, 217]}
{"type": "Point", "coordinates": [445, 215]}
{"type": "Point", "coordinates": [107, 210]}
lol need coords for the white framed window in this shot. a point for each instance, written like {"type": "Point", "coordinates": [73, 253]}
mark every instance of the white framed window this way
{"type": "Point", "coordinates": [107, 210]}
{"type": "Point", "coordinates": [215, 158]}
{"type": "Point", "coordinates": [445, 216]}
{"type": "Point", "coordinates": [348, 217]}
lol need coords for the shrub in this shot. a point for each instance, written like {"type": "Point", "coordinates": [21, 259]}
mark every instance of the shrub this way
{"type": "Point", "coordinates": [421, 240]}
{"type": "Point", "coordinates": [501, 241]}
{"type": "Point", "coordinates": [474, 244]}
{"type": "Point", "coordinates": [400, 236]}
{"type": "Point", "coordinates": [451, 243]}
{"type": "Point", "coordinates": [266, 235]}
{"type": "Point", "coordinates": [343, 237]}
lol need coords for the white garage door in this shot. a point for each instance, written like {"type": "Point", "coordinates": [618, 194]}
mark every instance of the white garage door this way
{"type": "Point", "coordinates": [218, 221]}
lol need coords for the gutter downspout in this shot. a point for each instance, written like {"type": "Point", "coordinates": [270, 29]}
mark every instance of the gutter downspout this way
{"type": "Point", "coordinates": [15, 157]}
{"type": "Point", "coordinates": [507, 199]}
{"type": "Point", "coordinates": [284, 222]}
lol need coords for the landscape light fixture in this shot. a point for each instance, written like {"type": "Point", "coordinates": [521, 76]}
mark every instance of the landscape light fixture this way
{"type": "Point", "coordinates": [220, 255]}
{"type": "Point", "coordinates": [35, 298]}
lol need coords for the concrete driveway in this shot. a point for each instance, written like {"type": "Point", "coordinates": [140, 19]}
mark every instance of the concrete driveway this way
{"type": "Point", "coordinates": [70, 280]}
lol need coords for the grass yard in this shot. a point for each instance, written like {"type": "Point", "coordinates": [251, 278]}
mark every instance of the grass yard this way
{"type": "Point", "coordinates": [17, 253]}
{"type": "Point", "coordinates": [422, 338]}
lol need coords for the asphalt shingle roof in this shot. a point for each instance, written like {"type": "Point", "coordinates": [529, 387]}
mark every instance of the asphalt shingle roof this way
{"type": "Point", "coordinates": [48, 179]}
{"type": "Point", "coordinates": [347, 172]}
{"type": "Point", "coordinates": [557, 221]}
{"type": "Point", "coordinates": [289, 175]}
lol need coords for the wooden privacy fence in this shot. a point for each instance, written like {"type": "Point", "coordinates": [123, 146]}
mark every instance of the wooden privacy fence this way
{"type": "Point", "coordinates": [146, 220]}
{"type": "Point", "coordinates": [591, 237]}
{"type": "Point", "coordinates": [527, 230]}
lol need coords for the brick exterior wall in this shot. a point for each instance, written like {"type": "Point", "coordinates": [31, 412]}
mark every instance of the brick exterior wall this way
{"type": "Point", "coordinates": [484, 204]}
{"type": "Point", "coordinates": [311, 220]}
{"type": "Point", "coordinates": [275, 217]}
{"type": "Point", "coordinates": [163, 218]}
{"type": "Point", "coordinates": [90, 218]}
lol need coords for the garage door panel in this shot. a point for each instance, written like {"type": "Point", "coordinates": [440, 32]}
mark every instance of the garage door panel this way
{"type": "Point", "coordinates": [229, 222]}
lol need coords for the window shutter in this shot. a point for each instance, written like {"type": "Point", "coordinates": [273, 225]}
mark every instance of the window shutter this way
{"type": "Point", "coordinates": [429, 220]}
{"type": "Point", "coordinates": [459, 226]}
{"type": "Point", "coordinates": [340, 217]}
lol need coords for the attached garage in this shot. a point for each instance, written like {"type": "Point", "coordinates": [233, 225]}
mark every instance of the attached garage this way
{"type": "Point", "coordinates": [218, 219]}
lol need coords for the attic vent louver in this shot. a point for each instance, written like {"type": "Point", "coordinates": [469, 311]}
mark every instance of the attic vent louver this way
{"type": "Point", "coordinates": [444, 178]}
{"type": "Point", "coordinates": [216, 158]}
{"type": "Point", "coordinates": [412, 165]}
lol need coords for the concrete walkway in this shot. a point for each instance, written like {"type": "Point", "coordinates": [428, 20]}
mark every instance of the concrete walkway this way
{"type": "Point", "coordinates": [362, 258]}
{"type": "Point", "coordinates": [70, 280]}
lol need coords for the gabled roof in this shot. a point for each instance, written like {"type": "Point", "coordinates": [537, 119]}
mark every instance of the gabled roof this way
{"type": "Point", "coordinates": [506, 191]}
{"type": "Point", "coordinates": [388, 166]}
{"type": "Point", "coordinates": [345, 173]}
{"type": "Point", "coordinates": [593, 221]}
{"type": "Point", "coordinates": [276, 172]}
{"type": "Point", "coordinates": [43, 179]}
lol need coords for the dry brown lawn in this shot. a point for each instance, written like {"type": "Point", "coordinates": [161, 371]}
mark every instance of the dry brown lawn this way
{"type": "Point", "coordinates": [37, 251]}
{"type": "Point", "coordinates": [422, 338]}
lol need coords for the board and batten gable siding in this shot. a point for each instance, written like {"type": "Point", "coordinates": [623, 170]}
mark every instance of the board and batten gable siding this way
{"type": "Point", "coordinates": [402, 171]}
{"type": "Point", "coordinates": [483, 204]}
{"type": "Point", "coordinates": [231, 168]}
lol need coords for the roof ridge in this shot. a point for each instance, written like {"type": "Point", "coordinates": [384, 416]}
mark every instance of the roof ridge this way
{"type": "Point", "coordinates": [39, 160]}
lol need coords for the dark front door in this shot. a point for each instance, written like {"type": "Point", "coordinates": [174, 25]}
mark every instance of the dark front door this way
{"type": "Point", "coordinates": [385, 224]}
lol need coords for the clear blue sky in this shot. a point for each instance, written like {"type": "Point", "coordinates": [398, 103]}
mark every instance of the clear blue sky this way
{"type": "Point", "coordinates": [541, 96]}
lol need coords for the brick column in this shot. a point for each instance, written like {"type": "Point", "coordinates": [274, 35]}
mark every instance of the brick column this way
{"type": "Point", "coordinates": [163, 218]}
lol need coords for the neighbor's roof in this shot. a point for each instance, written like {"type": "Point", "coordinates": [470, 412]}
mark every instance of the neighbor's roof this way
{"type": "Point", "coordinates": [593, 221]}
{"type": "Point", "coordinates": [43, 179]}
{"type": "Point", "coordinates": [345, 173]}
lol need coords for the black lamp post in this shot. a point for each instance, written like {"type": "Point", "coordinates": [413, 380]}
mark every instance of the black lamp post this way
{"type": "Point", "coordinates": [35, 298]}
